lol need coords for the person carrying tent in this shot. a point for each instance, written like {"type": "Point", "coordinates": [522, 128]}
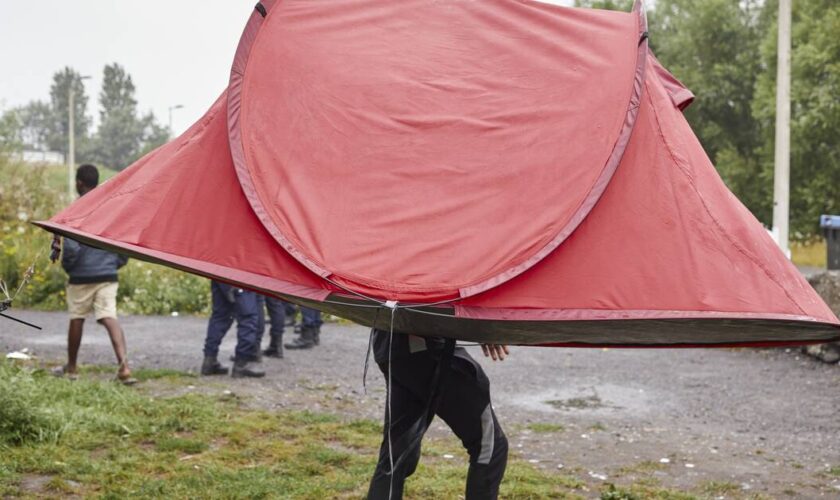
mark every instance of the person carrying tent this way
{"type": "Point", "coordinates": [92, 288]}
{"type": "Point", "coordinates": [426, 377]}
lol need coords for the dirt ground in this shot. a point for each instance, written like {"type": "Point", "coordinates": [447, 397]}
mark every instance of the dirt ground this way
{"type": "Point", "coordinates": [729, 423]}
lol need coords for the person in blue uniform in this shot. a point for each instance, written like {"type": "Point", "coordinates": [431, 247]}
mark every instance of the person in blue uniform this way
{"type": "Point", "coordinates": [233, 304]}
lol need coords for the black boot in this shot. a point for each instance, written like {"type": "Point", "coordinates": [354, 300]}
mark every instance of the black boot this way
{"type": "Point", "coordinates": [306, 339]}
{"type": "Point", "coordinates": [275, 348]}
{"type": "Point", "coordinates": [257, 358]}
{"type": "Point", "coordinates": [211, 366]}
{"type": "Point", "coordinates": [243, 368]}
{"type": "Point", "coordinates": [317, 337]}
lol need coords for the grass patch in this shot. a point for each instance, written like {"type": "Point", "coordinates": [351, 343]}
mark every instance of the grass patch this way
{"type": "Point", "coordinates": [643, 490]}
{"type": "Point", "coordinates": [545, 428]}
{"type": "Point", "coordinates": [96, 438]}
{"type": "Point", "coordinates": [183, 445]}
{"type": "Point", "coordinates": [22, 420]}
{"type": "Point", "coordinates": [93, 437]}
{"type": "Point", "coordinates": [811, 254]}
{"type": "Point", "coordinates": [644, 467]}
{"type": "Point", "coordinates": [143, 374]}
{"type": "Point", "coordinates": [717, 488]}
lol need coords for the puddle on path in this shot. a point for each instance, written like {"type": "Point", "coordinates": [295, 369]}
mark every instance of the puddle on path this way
{"type": "Point", "coordinates": [590, 399]}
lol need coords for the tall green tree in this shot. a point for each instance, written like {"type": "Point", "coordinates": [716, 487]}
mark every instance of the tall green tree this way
{"type": "Point", "coordinates": [123, 134]}
{"type": "Point", "coordinates": [63, 82]}
{"type": "Point", "coordinates": [154, 134]}
{"type": "Point", "coordinates": [9, 132]}
{"type": "Point", "coordinates": [815, 110]}
{"type": "Point", "coordinates": [120, 132]}
{"type": "Point", "coordinates": [36, 122]}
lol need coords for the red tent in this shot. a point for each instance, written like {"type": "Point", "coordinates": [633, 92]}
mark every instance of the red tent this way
{"type": "Point", "coordinates": [503, 171]}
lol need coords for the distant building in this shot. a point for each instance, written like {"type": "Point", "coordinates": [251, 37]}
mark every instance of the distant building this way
{"type": "Point", "coordinates": [31, 156]}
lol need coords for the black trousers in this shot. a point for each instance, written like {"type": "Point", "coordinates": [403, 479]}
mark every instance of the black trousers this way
{"type": "Point", "coordinates": [464, 405]}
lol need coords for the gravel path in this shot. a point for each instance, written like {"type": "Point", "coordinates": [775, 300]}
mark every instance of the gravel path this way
{"type": "Point", "coordinates": [757, 421]}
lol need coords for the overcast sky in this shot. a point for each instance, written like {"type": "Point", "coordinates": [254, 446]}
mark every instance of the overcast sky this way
{"type": "Point", "coordinates": [177, 51]}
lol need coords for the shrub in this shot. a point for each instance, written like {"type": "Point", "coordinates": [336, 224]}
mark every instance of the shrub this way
{"type": "Point", "coordinates": [22, 419]}
{"type": "Point", "coordinates": [30, 192]}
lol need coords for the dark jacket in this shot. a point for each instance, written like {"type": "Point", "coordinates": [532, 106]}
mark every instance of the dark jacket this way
{"type": "Point", "coordinates": [86, 264]}
{"type": "Point", "coordinates": [403, 345]}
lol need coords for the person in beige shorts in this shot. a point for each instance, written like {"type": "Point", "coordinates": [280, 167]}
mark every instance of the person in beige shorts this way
{"type": "Point", "coordinates": [93, 289]}
{"type": "Point", "coordinates": [97, 298]}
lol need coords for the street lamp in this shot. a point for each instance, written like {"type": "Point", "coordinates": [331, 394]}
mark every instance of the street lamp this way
{"type": "Point", "coordinates": [71, 136]}
{"type": "Point", "coordinates": [177, 106]}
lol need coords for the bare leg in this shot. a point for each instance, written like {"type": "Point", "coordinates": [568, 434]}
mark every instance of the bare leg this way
{"type": "Point", "coordinates": [74, 340]}
{"type": "Point", "coordinates": [115, 331]}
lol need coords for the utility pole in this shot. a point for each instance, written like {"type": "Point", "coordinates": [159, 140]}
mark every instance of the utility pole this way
{"type": "Point", "coordinates": [781, 175]}
{"type": "Point", "coordinates": [71, 138]}
{"type": "Point", "coordinates": [71, 146]}
{"type": "Point", "coordinates": [177, 106]}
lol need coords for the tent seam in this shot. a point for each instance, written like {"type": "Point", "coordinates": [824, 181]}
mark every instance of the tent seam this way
{"type": "Point", "coordinates": [680, 164]}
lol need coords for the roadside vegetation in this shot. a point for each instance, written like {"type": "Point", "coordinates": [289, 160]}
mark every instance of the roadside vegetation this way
{"type": "Point", "coordinates": [37, 192]}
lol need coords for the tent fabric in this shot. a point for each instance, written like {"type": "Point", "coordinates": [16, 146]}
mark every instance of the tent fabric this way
{"type": "Point", "coordinates": [681, 96]}
{"type": "Point", "coordinates": [702, 252]}
{"type": "Point", "coordinates": [665, 255]}
{"type": "Point", "coordinates": [357, 129]}
{"type": "Point", "coordinates": [181, 205]}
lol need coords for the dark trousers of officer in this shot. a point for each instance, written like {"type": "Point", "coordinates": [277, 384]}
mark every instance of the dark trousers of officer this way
{"type": "Point", "coordinates": [465, 407]}
{"type": "Point", "coordinates": [311, 317]}
{"type": "Point", "coordinates": [244, 309]}
{"type": "Point", "coordinates": [276, 317]}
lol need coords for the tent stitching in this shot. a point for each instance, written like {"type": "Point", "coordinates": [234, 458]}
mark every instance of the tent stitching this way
{"type": "Point", "coordinates": [679, 162]}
